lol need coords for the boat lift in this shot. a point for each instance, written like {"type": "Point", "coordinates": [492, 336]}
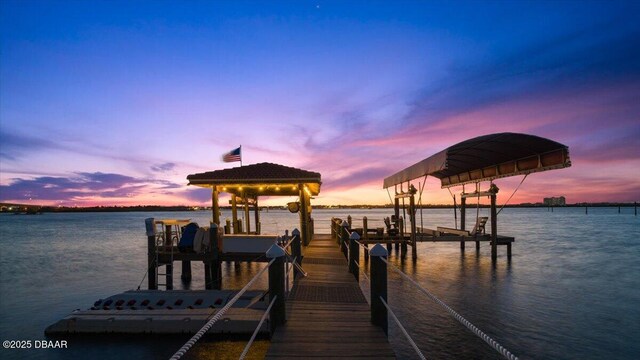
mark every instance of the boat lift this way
{"type": "Point", "coordinates": [473, 161]}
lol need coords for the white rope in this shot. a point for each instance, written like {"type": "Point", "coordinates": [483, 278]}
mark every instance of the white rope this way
{"type": "Point", "coordinates": [494, 344]}
{"type": "Point", "coordinates": [404, 331]}
{"type": "Point", "coordinates": [255, 333]}
{"type": "Point", "coordinates": [362, 245]}
{"type": "Point", "coordinates": [183, 350]}
{"type": "Point", "coordinates": [363, 273]}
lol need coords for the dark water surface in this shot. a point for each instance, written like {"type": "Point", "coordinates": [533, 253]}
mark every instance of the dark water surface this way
{"type": "Point", "coordinates": [571, 290]}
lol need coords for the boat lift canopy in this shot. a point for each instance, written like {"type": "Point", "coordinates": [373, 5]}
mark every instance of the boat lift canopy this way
{"type": "Point", "coordinates": [487, 157]}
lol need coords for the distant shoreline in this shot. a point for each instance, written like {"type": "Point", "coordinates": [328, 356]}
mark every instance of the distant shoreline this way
{"type": "Point", "coordinates": [150, 208]}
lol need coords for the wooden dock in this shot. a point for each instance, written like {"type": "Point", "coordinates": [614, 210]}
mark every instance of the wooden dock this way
{"type": "Point", "coordinates": [327, 314]}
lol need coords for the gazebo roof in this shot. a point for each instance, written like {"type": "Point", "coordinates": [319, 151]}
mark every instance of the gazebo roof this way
{"type": "Point", "coordinates": [263, 179]}
{"type": "Point", "coordinates": [486, 158]}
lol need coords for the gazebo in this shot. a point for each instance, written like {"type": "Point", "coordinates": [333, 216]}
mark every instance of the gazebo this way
{"type": "Point", "coordinates": [247, 183]}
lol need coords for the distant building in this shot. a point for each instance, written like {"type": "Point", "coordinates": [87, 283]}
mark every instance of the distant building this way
{"type": "Point", "coordinates": [555, 201]}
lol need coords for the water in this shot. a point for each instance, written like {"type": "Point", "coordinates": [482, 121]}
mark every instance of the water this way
{"type": "Point", "coordinates": [571, 290]}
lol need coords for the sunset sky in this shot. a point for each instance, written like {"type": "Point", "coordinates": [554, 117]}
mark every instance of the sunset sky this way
{"type": "Point", "coordinates": [115, 103]}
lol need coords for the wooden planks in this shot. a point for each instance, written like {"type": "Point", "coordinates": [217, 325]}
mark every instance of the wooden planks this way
{"type": "Point", "coordinates": [327, 314]}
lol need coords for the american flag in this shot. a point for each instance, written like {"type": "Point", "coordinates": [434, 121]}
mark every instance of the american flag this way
{"type": "Point", "coordinates": [233, 155]}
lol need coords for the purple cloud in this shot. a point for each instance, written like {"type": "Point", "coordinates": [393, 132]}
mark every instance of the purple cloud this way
{"type": "Point", "coordinates": [168, 166]}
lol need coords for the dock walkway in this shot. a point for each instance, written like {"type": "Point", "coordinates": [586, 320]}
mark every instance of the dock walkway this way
{"type": "Point", "coordinates": [327, 314]}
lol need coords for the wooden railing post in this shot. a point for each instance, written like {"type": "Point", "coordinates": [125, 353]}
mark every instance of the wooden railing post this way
{"type": "Point", "coordinates": [349, 220]}
{"type": "Point", "coordinates": [354, 255]}
{"type": "Point", "coordinates": [212, 265]}
{"type": "Point", "coordinates": [227, 226]}
{"type": "Point", "coordinates": [296, 251]}
{"type": "Point", "coordinates": [151, 253]}
{"type": "Point", "coordinates": [344, 239]}
{"type": "Point", "coordinates": [379, 287]}
{"type": "Point", "coordinates": [333, 228]}
{"type": "Point", "coordinates": [277, 316]}
{"type": "Point", "coordinates": [403, 246]}
{"type": "Point", "coordinates": [365, 236]}
{"type": "Point", "coordinates": [463, 218]}
{"type": "Point", "coordinates": [494, 229]}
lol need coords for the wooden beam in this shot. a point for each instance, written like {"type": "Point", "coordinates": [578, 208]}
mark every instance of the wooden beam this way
{"type": "Point", "coordinates": [234, 213]}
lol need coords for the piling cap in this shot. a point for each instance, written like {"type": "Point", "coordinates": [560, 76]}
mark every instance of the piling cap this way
{"type": "Point", "coordinates": [150, 226]}
{"type": "Point", "coordinates": [345, 223]}
{"type": "Point", "coordinates": [295, 232]}
{"type": "Point", "coordinates": [354, 236]}
{"type": "Point", "coordinates": [275, 251]}
{"type": "Point", "coordinates": [378, 250]}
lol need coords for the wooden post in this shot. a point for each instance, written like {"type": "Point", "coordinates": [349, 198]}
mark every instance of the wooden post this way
{"type": "Point", "coordinates": [396, 208]}
{"type": "Point", "coordinates": [618, 209]}
{"type": "Point", "coordinates": [213, 265]}
{"type": "Point", "coordinates": [463, 203]}
{"type": "Point", "coordinates": [635, 208]}
{"type": "Point", "coordinates": [403, 252]}
{"type": "Point", "coordinates": [215, 207]}
{"type": "Point", "coordinates": [379, 287]}
{"type": "Point", "coordinates": [277, 315]}
{"type": "Point", "coordinates": [333, 227]}
{"type": "Point", "coordinates": [494, 228]}
{"type": "Point", "coordinates": [304, 215]}
{"type": "Point", "coordinates": [151, 253]}
{"type": "Point", "coordinates": [245, 200]}
{"type": "Point", "coordinates": [349, 220]}
{"type": "Point", "coordinates": [186, 271]}
{"type": "Point", "coordinates": [365, 236]}
{"type": "Point", "coordinates": [169, 276]}
{"type": "Point", "coordinates": [354, 255]}
{"type": "Point", "coordinates": [586, 210]}
{"type": "Point", "coordinates": [234, 213]}
{"type": "Point", "coordinates": [412, 210]}
{"type": "Point", "coordinates": [296, 251]}
{"type": "Point", "coordinates": [344, 239]}
{"type": "Point", "coordinates": [227, 227]}
{"type": "Point", "coordinates": [256, 215]}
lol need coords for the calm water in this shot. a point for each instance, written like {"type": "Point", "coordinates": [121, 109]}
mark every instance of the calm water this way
{"type": "Point", "coordinates": [571, 290]}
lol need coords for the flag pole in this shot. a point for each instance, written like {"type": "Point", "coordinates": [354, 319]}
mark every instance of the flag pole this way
{"type": "Point", "coordinates": [240, 155]}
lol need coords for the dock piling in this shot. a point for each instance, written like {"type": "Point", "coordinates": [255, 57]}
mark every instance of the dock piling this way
{"type": "Point", "coordinates": [379, 287]}
{"type": "Point", "coordinates": [494, 228]}
{"type": "Point", "coordinates": [354, 255]}
{"type": "Point", "coordinates": [213, 265]}
{"type": "Point", "coordinates": [344, 239]}
{"type": "Point", "coordinates": [186, 271]}
{"type": "Point", "coordinates": [365, 236]}
{"type": "Point", "coordinates": [463, 206]}
{"type": "Point", "coordinates": [277, 316]}
{"type": "Point", "coordinates": [151, 253]}
{"type": "Point", "coordinates": [403, 252]}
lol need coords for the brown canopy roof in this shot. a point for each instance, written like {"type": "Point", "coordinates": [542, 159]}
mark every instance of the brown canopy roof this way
{"type": "Point", "coordinates": [486, 158]}
{"type": "Point", "coordinates": [263, 179]}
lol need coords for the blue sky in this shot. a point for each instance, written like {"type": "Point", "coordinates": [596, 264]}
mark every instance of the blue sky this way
{"type": "Point", "coordinates": [117, 102]}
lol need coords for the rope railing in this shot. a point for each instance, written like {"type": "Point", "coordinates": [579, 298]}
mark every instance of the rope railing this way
{"type": "Point", "coordinates": [494, 344]}
{"type": "Point", "coordinates": [183, 350]}
{"type": "Point", "coordinates": [395, 318]}
{"type": "Point", "coordinates": [255, 332]}
{"type": "Point", "coordinates": [404, 331]}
